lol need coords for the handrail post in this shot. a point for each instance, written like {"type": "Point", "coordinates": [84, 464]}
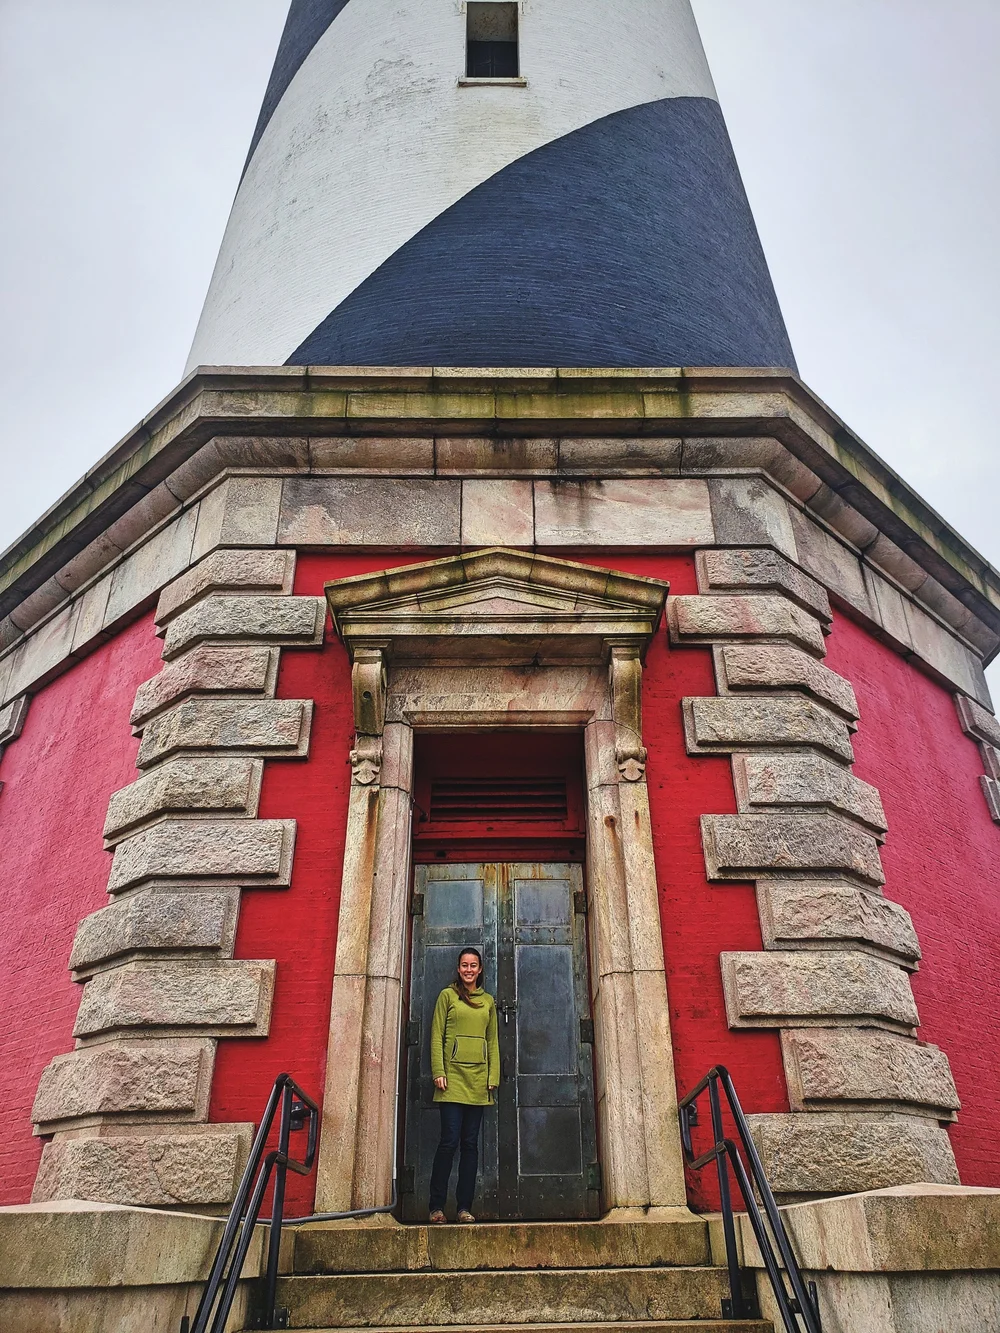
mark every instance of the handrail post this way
{"type": "Point", "coordinates": [277, 1208]}
{"type": "Point", "coordinates": [738, 1310]}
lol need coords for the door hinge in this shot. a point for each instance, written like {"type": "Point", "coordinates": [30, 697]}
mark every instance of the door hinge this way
{"type": "Point", "coordinates": [413, 1032]}
{"type": "Point", "coordinates": [417, 905]}
{"type": "Point", "coordinates": [587, 1031]}
{"type": "Point", "coordinates": [595, 1179]}
{"type": "Point", "coordinates": [580, 902]}
{"type": "Point", "coordinates": [407, 1180]}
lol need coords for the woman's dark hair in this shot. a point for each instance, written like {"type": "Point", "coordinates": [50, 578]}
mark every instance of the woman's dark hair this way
{"type": "Point", "coordinates": [459, 986]}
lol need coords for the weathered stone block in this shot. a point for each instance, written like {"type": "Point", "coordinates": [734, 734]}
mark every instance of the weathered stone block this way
{"type": "Point", "coordinates": [977, 722]}
{"type": "Point", "coordinates": [814, 914]}
{"type": "Point", "coordinates": [849, 1152]}
{"type": "Point", "coordinates": [732, 722]}
{"type": "Point", "coordinates": [991, 761]}
{"type": "Point", "coordinates": [237, 570]}
{"type": "Point", "coordinates": [829, 561]}
{"type": "Point", "coordinates": [126, 1078]}
{"type": "Point", "coordinates": [746, 510]}
{"type": "Point", "coordinates": [652, 512]}
{"type": "Point", "coordinates": [774, 666]}
{"type": "Point", "coordinates": [154, 1170]}
{"type": "Point", "coordinates": [720, 616]}
{"type": "Point", "coordinates": [42, 650]}
{"type": "Point", "coordinates": [767, 990]}
{"type": "Point", "coordinates": [292, 621]}
{"type": "Point", "coordinates": [226, 997]}
{"type": "Point", "coordinates": [251, 513]}
{"type": "Point", "coordinates": [192, 783]}
{"type": "Point", "coordinates": [242, 670]}
{"type": "Point", "coordinates": [497, 512]}
{"type": "Point", "coordinates": [611, 456]}
{"type": "Point", "coordinates": [802, 780]}
{"type": "Point", "coordinates": [827, 1066]}
{"type": "Point", "coordinates": [204, 849]}
{"type": "Point", "coordinates": [740, 846]}
{"type": "Point", "coordinates": [12, 719]}
{"type": "Point", "coordinates": [277, 727]}
{"type": "Point", "coordinates": [150, 566]}
{"type": "Point", "coordinates": [370, 511]}
{"type": "Point", "coordinates": [157, 919]}
{"type": "Point", "coordinates": [762, 570]}
{"type": "Point", "coordinates": [480, 455]}
{"type": "Point", "coordinates": [991, 790]}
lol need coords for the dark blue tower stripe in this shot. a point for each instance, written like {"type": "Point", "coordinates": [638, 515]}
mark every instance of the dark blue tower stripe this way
{"type": "Point", "coordinates": [307, 21]}
{"type": "Point", "coordinates": [629, 242]}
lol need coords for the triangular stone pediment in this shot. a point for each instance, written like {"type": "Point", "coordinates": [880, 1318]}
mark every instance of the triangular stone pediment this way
{"type": "Point", "coordinates": [514, 603]}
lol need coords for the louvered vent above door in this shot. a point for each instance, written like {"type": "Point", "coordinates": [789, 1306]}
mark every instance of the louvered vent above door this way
{"type": "Point", "coordinates": [496, 800]}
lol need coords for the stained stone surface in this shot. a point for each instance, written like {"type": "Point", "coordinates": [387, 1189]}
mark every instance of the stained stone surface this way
{"type": "Point", "coordinates": [765, 616]}
{"type": "Point", "coordinates": [157, 919]}
{"type": "Point", "coordinates": [812, 912]}
{"type": "Point", "coordinates": [977, 722]}
{"type": "Point", "coordinates": [865, 1065]}
{"type": "Point", "coordinates": [294, 621]}
{"type": "Point", "coordinates": [802, 780]}
{"type": "Point", "coordinates": [259, 850]}
{"type": "Point", "coordinates": [271, 726]}
{"type": "Point", "coordinates": [815, 989]}
{"type": "Point", "coordinates": [192, 783]}
{"type": "Point", "coordinates": [762, 570]}
{"type": "Point", "coordinates": [243, 570]}
{"type": "Point", "coordinates": [242, 670]}
{"type": "Point", "coordinates": [126, 1077]}
{"type": "Point", "coordinates": [775, 666]}
{"type": "Point", "coordinates": [179, 993]}
{"type": "Point", "coordinates": [159, 1170]}
{"type": "Point", "coordinates": [844, 1153]}
{"type": "Point", "coordinates": [738, 846]}
{"type": "Point", "coordinates": [734, 721]}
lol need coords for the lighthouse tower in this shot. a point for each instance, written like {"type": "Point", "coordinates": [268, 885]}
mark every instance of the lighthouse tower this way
{"type": "Point", "coordinates": [491, 579]}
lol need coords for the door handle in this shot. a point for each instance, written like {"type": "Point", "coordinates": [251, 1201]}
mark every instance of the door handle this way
{"type": "Point", "coordinates": [506, 1008]}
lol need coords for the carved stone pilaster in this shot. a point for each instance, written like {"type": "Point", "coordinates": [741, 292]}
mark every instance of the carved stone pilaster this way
{"type": "Point", "coordinates": [625, 670]}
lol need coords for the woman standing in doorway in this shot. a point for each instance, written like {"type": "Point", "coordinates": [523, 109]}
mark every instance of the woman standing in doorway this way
{"type": "Point", "coordinates": [465, 1066]}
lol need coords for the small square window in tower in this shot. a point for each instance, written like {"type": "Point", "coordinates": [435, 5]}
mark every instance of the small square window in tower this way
{"type": "Point", "coordinates": [492, 41]}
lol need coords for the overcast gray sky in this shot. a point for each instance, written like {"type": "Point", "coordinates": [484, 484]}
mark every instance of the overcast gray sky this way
{"type": "Point", "coordinates": [867, 131]}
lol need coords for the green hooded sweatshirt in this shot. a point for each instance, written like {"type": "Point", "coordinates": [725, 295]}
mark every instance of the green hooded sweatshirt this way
{"type": "Point", "coordinates": [464, 1048]}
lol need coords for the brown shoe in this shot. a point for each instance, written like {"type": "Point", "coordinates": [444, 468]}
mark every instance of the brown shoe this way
{"type": "Point", "coordinates": [465, 1217]}
{"type": "Point", "coordinates": [437, 1218]}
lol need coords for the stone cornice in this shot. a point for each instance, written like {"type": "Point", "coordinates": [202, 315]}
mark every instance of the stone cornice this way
{"type": "Point", "coordinates": [674, 403]}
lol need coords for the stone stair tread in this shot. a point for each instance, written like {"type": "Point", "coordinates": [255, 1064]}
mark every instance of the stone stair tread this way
{"type": "Point", "coordinates": [644, 1326]}
{"type": "Point", "coordinates": [480, 1299]}
{"type": "Point", "coordinates": [502, 1246]}
{"type": "Point", "coordinates": [677, 1325]}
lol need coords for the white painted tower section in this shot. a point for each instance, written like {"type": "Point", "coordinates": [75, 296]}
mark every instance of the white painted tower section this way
{"type": "Point", "coordinates": [376, 136]}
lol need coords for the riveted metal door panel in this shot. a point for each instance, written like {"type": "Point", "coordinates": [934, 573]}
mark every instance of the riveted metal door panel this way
{"type": "Point", "coordinates": [548, 1149]}
{"type": "Point", "coordinates": [538, 1154]}
{"type": "Point", "coordinates": [455, 907]}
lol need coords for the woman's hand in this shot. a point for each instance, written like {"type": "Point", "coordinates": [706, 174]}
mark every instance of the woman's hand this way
{"type": "Point", "coordinates": [441, 1084]}
{"type": "Point", "coordinates": [492, 1087]}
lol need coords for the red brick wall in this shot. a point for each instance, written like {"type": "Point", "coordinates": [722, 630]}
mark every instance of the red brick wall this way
{"type": "Point", "coordinates": [298, 926]}
{"type": "Point", "coordinates": [942, 862]}
{"type": "Point", "coordinates": [75, 750]}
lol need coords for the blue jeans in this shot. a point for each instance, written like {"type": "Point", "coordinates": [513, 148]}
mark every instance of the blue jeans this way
{"type": "Point", "coordinates": [460, 1127]}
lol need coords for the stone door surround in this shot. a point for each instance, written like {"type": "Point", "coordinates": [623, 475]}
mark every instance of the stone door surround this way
{"type": "Point", "coordinates": [499, 638]}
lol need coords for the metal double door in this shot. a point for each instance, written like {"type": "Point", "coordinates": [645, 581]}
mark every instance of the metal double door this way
{"type": "Point", "coordinates": [538, 1152]}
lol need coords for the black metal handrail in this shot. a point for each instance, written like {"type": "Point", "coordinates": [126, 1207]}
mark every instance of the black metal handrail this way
{"type": "Point", "coordinates": [772, 1238]}
{"type": "Point", "coordinates": [220, 1290]}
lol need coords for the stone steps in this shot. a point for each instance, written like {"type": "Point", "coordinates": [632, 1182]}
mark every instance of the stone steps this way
{"type": "Point", "coordinates": [497, 1246]}
{"type": "Point", "coordinates": [463, 1299]}
{"type": "Point", "coordinates": [668, 1325]}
